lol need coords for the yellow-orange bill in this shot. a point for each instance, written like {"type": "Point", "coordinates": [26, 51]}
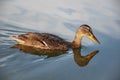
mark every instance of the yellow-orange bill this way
{"type": "Point", "coordinates": [93, 38]}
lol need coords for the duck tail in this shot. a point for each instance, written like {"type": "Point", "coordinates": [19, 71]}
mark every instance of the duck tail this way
{"type": "Point", "coordinates": [14, 38]}
{"type": "Point", "coordinates": [17, 39]}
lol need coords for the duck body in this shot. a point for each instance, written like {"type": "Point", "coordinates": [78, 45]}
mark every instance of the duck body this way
{"type": "Point", "coordinates": [42, 41]}
{"type": "Point", "coordinates": [52, 42]}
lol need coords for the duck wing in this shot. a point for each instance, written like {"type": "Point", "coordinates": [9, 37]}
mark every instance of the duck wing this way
{"type": "Point", "coordinates": [43, 41]}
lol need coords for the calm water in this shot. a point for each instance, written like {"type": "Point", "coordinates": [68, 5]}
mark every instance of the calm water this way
{"type": "Point", "coordinates": [92, 62]}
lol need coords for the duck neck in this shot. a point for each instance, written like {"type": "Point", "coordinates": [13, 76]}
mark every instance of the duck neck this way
{"type": "Point", "coordinates": [77, 41]}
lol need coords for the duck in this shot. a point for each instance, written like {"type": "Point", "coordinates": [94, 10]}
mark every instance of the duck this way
{"type": "Point", "coordinates": [47, 41]}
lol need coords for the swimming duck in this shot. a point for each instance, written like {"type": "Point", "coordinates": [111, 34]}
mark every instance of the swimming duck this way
{"type": "Point", "coordinates": [52, 42]}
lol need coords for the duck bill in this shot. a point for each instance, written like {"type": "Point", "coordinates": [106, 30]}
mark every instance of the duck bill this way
{"type": "Point", "coordinates": [94, 39]}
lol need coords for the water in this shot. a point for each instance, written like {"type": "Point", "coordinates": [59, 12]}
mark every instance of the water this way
{"type": "Point", "coordinates": [61, 18]}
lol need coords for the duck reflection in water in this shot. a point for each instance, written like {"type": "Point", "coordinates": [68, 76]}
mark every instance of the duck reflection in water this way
{"type": "Point", "coordinates": [39, 52]}
{"type": "Point", "coordinates": [78, 58]}
{"type": "Point", "coordinates": [83, 60]}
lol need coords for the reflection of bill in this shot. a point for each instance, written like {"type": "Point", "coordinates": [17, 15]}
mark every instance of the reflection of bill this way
{"type": "Point", "coordinates": [83, 60]}
{"type": "Point", "coordinates": [80, 60]}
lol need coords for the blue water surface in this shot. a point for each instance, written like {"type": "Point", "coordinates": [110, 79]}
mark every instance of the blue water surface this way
{"type": "Point", "coordinates": [61, 18]}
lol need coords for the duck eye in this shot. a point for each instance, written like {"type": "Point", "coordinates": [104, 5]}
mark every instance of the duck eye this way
{"type": "Point", "coordinates": [86, 30]}
{"type": "Point", "coordinates": [90, 30]}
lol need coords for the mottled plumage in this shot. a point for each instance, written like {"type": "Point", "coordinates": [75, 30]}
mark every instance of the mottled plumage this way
{"type": "Point", "coordinates": [53, 42]}
{"type": "Point", "coordinates": [42, 40]}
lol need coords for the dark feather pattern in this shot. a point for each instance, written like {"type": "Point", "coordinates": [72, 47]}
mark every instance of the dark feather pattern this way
{"type": "Point", "coordinates": [44, 40]}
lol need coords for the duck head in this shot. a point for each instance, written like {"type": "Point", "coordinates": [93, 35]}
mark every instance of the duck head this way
{"type": "Point", "coordinates": [84, 30]}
